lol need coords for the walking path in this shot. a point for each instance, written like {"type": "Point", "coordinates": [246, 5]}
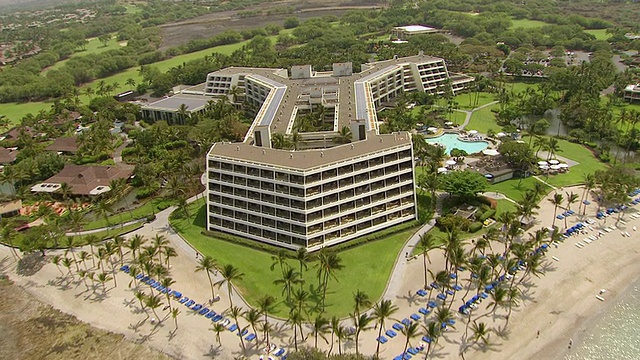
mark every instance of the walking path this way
{"type": "Point", "coordinates": [544, 182]}
{"type": "Point", "coordinates": [398, 274]}
{"type": "Point", "coordinates": [470, 113]}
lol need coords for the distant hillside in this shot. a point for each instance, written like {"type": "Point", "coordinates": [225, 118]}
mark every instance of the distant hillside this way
{"type": "Point", "coordinates": [13, 5]}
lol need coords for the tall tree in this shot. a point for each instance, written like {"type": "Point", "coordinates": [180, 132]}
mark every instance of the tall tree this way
{"type": "Point", "coordinates": [208, 265]}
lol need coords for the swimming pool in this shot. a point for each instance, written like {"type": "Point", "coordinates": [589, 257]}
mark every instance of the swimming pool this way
{"type": "Point", "coordinates": [450, 141]}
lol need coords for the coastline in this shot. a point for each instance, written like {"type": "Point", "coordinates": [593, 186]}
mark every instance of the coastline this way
{"type": "Point", "coordinates": [562, 304]}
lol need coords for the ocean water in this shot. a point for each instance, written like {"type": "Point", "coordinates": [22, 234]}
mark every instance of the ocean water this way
{"type": "Point", "coordinates": [616, 335]}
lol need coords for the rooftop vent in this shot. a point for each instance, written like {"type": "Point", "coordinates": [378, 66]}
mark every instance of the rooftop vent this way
{"type": "Point", "coordinates": [237, 148]}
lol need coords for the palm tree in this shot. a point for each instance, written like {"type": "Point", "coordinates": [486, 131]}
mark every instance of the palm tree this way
{"type": "Point", "coordinates": [141, 298]}
{"type": "Point", "coordinates": [218, 328]}
{"type": "Point", "coordinates": [279, 259]}
{"type": "Point", "coordinates": [320, 328]}
{"type": "Point", "coordinates": [183, 113]}
{"type": "Point", "coordinates": [229, 274]}
{"type": "Point", "coordinates": [68, 243]}
{"type": "Point", "coordinates": [266, 304]}
{"type": "Point", "coordinates": [299, 298]}
{"type": "Point", "coordinates": [66, 262]}
{"type": "Point", "coordinates": [166, 283]}
{"type": "Point", "coordinates": [426, 243]}
{"type": "Point", "coordinates": [236, 312]}
{"type": "Point", "coordinates": [361, 300]}
{"type": "Point", "coordinates": [382, 311]}
{"type": "Point", "coordinates": [480, 332]}
{"type": "Point", "coordinates": [153, 302]}
{"type": "Point", "coordinates": [55, 260]}
{"type": "Point", "coordinates": [589, 183]}
{"type": "Point", "coordinates": [253, 318]}
{"type": "Point", "coordinates": [302, 255]}
{"type": "Point", "coordinates": [169, 252]}
{"type": "Point", "coordinates": [328, 265]}
{"type": "Point", "coordinates": [290, 277]}
{"type": "Point", "coordinates": [174, 315]}
{"type": "Point", "coordinates": [571, 199]}
{"type": "Point", "coordinates": [361, 323]}
{"type": "Point", "coordinates": [295, 319]}
{"type": "Point", "coordinates": [135, 244]}
{"type": "Point", "coordinates": [207, 264]}
{"type": "Point", "coordinates": [84, 256]}
{"type": "Point", "coordinates": [159, 242]}
{"type": "Point", "coordinates": [104, 278]}
{"type": "Point", "coordinates": [130, 82]}
{"type": "Point", "coordinates": [410, 332]}
{"type": "Point", "coordinates": [342, 334]}
{"type": "Point", "coordinates": [334, 324]}
{"type": "Point", "coordinates": [553, 146]}
{"type": "Point", "coordinates": [344, 136]}
{"type": "Point", "coordinates": [432, 331]}
{"type": "Point", "coordinates": [556, 200]}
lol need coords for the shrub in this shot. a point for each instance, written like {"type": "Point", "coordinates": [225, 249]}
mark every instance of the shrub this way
{"type": "Point", "coordinates": [162, 206]}
{"type": "Point", "coordinates": [475, 226]}
{"type": "Point", "coordinates": [485, 216]}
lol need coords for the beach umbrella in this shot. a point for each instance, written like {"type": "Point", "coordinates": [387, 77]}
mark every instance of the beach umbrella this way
{"type": "Point", "coordinates": [442, 170]}
{"type": "Point", "coordinates": [544, 167]}
{"type": "Point", "coordinates": [564, 166]}
{"type": "Point", "coordinates": [473, 132]}
{"type": "Point", "coordinates": [490, 152]}
{"type": "Point", "coordinates": [419, 124]}
{"type": "Point", "coordinates": [554, 167]}
{"type": "Point", "coordinates": [450, 162]}
{"type": "Point", "coordinates": [432, 129]}
{"type": "Point", "coordinates": [541, 163]}
{"type": "Point", "coordinates": [554, 162]}
{"type": "Point", "coordinates": [449, 123]}
{"type": "Point", "coordinates": [501, 134]}
{"type": "Point", "coordinates": [488, 176]}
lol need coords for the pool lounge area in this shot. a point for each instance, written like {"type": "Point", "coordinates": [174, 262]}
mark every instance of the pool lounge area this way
{"type": "Point", "coordinates": [452, 141]}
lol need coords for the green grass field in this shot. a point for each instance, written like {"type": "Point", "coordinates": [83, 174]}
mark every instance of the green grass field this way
{"type": "Point", "coordinates": [526, 23]}
{"type": "Point", "coordinates": [466, 101]}
{"type": "Point", "coordinates": [483, 120]}
{"type": "Point", "coordinates": [588, 164]}
{"type": "Point", "coordinates": [94, 46]}
{"type": "Point", "coordinates": [514, 188]}
{"type": "Point", "coordinates": [367, 267]}
{"type": "Point", "coordinates": [600, 34]}
{"type": "Point", "coordinates": [148, 208]}
{"type": "Point", "coordinates": [16, 111]}
{"type": "Point", "coordinates": [81, 240]}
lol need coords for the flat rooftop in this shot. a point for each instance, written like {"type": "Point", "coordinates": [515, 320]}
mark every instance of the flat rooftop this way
{"type": "Point", "coordinates": [414, 28]}
{"type": "Point", "coordinates": [173, 103]}
{"type": "Point", "coordinates": [306, 160]}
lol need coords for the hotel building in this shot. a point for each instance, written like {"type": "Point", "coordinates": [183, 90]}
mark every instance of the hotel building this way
{"type": "Point", "coordinates": [330, 189]}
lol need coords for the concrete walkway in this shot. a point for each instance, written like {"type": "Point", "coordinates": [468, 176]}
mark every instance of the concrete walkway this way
{"type": "Point", "coordinates": [470, 113]}
{"type": "Point", "coordinates": [544, 182]}
{"type": "Point", "coordinates": [398, 274]}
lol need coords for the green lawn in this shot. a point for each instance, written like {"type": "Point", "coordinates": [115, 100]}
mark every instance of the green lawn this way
{"type": "Point", "coordinates": [94, 46]}
{"type": "Point", "coordinates": [148, 208]}
{"type": "Point", "coordinates": [600, 34]}
{"type": "Point", "coordinates": [80, 240]}
{"type": "Point", "coordinates": [588, 164]}
{"type": "Point", "coordinates": [367, 267]}
{"type": "Point", "coordinates": [513, 188]}
{"type": "Point", "coordinates": [483, 120]}
{"type": "Point", "coordinates": [526, 23]}
{"type": "Point", "coordinates": [466, 101]}
{"type": "Point", "coordinates": [107, 234]}
{"type": "Point", "coordinates": [505, 206]}
{"type": "Point", "coordinates": [16, 111]}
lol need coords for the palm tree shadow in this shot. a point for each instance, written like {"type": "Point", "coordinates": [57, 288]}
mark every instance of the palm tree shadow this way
{"type": "Point", "coordinates": [128, 303]}
{"type": "Point", "coordinates": [503, 332]}
{"type": "Point", "coordinates": [213, 353]}
{"type": "Point", "coordinates": [412, 299]}
{"type": "Point", "coordinates": [135, 327]}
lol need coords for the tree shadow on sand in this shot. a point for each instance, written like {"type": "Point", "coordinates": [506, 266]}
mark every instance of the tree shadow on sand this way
{"type": "Point", "coordinates": [214, 352]}
{"type": "Point", "coordinates": [412, 299]}
{"type": "Point", "coordinates": [30, 264]}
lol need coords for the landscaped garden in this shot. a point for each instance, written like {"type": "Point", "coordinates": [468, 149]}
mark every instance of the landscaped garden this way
{"type": "Point", "coordinates": [367, 267]}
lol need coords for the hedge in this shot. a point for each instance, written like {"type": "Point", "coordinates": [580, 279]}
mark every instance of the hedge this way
{"type": "Point", "coordinates": [475, 226]}
{"type": "Point", "coordinates": [487, 214]}
{"type": "Point", "coordinates": [258, 245]}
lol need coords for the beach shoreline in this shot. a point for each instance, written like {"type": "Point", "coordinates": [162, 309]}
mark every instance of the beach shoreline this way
{"type": "Point", "coordinates": [561, 304]}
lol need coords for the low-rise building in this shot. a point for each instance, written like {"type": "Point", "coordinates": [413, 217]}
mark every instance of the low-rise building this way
{"type": "Point", "coordinates": [632, 92]}
{"type": "Point", "coordinates": [405, 32]}
{"type": "Point", "coordinates": [84, 180]}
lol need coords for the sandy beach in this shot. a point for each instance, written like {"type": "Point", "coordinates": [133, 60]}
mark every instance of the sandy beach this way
{"type": "Point", "coordinates": [560, 304]}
